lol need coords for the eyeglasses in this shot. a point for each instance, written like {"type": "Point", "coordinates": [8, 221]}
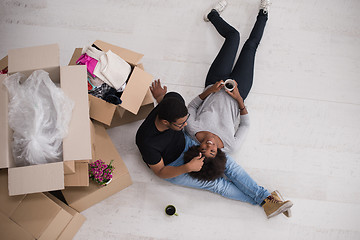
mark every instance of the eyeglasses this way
{"type": "Point", "coordinates": [181, 125]}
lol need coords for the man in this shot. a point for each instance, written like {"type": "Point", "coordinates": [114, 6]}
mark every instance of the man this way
{"type": "Point", "coordinates": [160, 137]}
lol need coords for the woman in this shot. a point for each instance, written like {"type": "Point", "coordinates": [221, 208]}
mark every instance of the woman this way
{"type": "Point", "coordinates": [218, 118]}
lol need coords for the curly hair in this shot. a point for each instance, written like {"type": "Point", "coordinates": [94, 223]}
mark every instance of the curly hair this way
{"type": "Point", "coordinates": [212, 169]}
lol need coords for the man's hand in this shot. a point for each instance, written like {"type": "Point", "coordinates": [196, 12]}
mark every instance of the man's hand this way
{"type": "Point", "coordinates": [157, 91]}
{"type": "Point", "coordinates": [196, 163]}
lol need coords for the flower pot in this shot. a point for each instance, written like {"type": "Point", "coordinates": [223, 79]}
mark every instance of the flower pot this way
{"type": "Point", "coordinates": [108, 182]}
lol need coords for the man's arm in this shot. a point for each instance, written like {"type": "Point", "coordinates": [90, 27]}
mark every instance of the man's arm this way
{"type": "Point", "coordinates": [163, 171]}
{"type": "Point", "coordinates": [157, 91]}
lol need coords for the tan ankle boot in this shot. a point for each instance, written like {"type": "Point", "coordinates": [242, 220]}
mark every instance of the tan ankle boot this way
{"type": "Point", "coordinates": [273, 207]}
{"type": "Point", "coordinates": [276, 194]}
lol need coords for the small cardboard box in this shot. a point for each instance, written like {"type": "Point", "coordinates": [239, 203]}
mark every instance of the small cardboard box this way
{"type": "Point", "coordinates": [137, 101]}
{"type": "Point", "coordinates": [35, 216]}
{"type": "Point", "coordinates": [76, 145]}
{"type": "Point", "coordinates": [81, 198]}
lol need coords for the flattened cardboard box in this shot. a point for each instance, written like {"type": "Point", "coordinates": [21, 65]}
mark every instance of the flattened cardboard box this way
{"type": "Point", "coordinates": [137, 101]}
{"type": "Point", "coordinates": [76, 145]}
{"type": "Point", "coordinates": [74, 224]}
{"type": "Point", "coordinates": [35, 216]}
{"type": "Point", "coordinates": [81, 198]}
{"type": "Point", "coordinates": [12, 231]}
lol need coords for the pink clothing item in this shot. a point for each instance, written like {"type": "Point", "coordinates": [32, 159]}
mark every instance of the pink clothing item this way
{"type": "Point", "coordinates": [4, 71]}
{"type": "Point", "coordinates": [89, 62]}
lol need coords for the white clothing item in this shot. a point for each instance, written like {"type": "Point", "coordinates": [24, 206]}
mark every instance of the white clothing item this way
{"type": "Point", "coordinates": [92, 52]}
{"type": "Point", "coordinates": [112, 69]}
{"type": "Point", "coordinates": [219, 113]}
{"type": "Point", "coordinates": [122, 88]}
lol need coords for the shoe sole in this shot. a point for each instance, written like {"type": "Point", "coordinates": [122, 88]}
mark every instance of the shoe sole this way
{"type": "Point", "coordinates": [288, 212]}
{"type": "Point", "coordinates": [281, 209]}
{"type": "Point", "coordinates": [214, 7]}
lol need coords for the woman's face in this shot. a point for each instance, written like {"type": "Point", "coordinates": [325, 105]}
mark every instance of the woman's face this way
{"type": "Point", "coordinates": [208, 147]}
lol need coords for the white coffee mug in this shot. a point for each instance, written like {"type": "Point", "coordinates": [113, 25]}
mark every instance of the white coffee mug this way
{"type": "Point", "coordinates": [229, 85]}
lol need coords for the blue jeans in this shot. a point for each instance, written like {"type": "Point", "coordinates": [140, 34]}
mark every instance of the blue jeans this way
{"type": "Point", "coordinates": [236, 184]}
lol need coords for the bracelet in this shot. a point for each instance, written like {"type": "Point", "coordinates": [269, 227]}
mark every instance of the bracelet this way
{"type": "Point", "coordinates": [242, 108]}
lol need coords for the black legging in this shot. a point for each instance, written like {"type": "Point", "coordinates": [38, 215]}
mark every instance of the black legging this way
{"type": "Point", "coordinates": [222, 66]}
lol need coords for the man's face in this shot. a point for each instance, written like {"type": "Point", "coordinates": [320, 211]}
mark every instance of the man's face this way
{"type": "Point", "coordinates": [180, 123]}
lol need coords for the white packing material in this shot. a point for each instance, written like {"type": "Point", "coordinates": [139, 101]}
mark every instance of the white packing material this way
{"type": "Point", "coordinates": [39, 115]}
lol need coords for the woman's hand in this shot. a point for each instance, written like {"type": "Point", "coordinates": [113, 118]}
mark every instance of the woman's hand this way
{"type": "Point", "coordinates": [214, 88]}
{"type": "Point", "coordinates": [157, 91]}
{"type": "Point", "coordinates": [236, 95]}
{"type": "Point", "coordinates": [217, 86]}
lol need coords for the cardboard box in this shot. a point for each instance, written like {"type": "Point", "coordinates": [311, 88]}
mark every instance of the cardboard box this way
{"type": "Point", "coordinates": [81, 198]}
{"type": "Point", "coordinates": [137, 101]}
{"type": "Point", "coordinates": [35, 216]}
{"type": "Point", "coordinates": [3, 63]}
{"type": "Point", "coordinates": [76, 145]}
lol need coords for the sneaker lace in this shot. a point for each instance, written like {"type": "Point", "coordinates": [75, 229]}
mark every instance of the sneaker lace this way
{"type": "Point", "coordinates": [272, 199]}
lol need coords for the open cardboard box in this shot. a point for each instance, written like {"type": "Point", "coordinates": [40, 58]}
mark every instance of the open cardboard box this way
{"type": "Point", "coordinates": [76, 145]}
{"type": "Point", "coordinates": [137, 101]}
{"type": "Point", "coordinates": [35, 216]}
{"type": "Point", "coordinates": [81, 198]}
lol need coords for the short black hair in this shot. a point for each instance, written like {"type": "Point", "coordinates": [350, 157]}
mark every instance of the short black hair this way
{"type": "Point", "coordinates": [212, 169]}
{"type": "Point", "coordinates": [171, 109]}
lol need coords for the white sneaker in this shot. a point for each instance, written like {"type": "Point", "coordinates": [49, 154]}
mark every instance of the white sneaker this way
{"type": "Point", "coordinates": [219, 7]}
{"type": "Point", "coordinates": [265, 5]}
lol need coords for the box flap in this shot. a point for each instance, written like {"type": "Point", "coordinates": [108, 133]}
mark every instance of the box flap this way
{"type": "Point", "coordinates": [138, 85]}
{"type": "Point", "coordinates": [75, 223]}
{"type": "Point", "coordinates": [10, 230]}
{"type": "Point", "coordinates": [126, 54]}
{"type": "Point", "coordinates": [92, 130]}
{"type": "Point", "coordinates": [5, 149]}
{"type": "Point", "coordinates": [69, 167]}
{"type": "Point", "coordinates": [77, 144]}
{"type": "Point", "coordinates": [35, 213]}
{"type": "Point", "coordinates": [101, 110]}
{"type": "Point", "coordinates": [76, 55]}
{"type": "Point", "coordinates": [148, 98]}
{"type": "Point", "coordinates": [80, 177]}
{"type": "Point", "coordinates": [128, 117]}
{"type": "Point", "coordinates": [73, 227]}
{"type": "Point", "coordinates": [106, 151]}
{"type": "Point", "coordinates": [56, 226]}
{"type": "Point", "coordinates": [26, 60]}
{"type": "Point", "coordinates": [3, 63]}
{"type": "Point", "coordinates": [8, 204]}
{"type": "Point", "coordinates": [36, 178]}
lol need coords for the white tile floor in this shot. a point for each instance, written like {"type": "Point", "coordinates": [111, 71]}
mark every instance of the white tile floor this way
{"type": "Point", "coordinates": [305, 110]}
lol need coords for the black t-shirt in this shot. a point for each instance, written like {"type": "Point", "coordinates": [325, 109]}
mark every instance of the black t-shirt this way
{"type": "Point", "coordinates": [154, 145]}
